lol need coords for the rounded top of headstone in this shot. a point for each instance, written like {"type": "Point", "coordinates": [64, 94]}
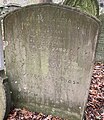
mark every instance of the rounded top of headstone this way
{"type": "Point", "coordinates": [59, 6]}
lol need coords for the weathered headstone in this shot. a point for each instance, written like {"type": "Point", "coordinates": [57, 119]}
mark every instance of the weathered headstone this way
{"type": "Point", "coordinates": [1, 50]}
{"type": "Point", "coordinates": [100, 44]}
{"type": "Point", "coordinates": [2, 92]}
{"type": "Point", "coordinates": [2, 100]}
{"type": "Point", "coordinates": [49, 58]}
{"type": "Point", "coordinates": [5, 97]}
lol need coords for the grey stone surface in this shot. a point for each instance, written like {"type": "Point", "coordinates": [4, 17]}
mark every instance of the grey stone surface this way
{"type": "Point", "coordinates": [5, 96]}
{"type": "Point", "coordinates": [25, 2]}
{"type": "Point", "coordinates": [2, 92]}
{"type": "Point", "coordinates": [1, 50]}
{"type": "Point", "coordinates": [100, 44]}
{"type": "Point", "coordinates": [49, 58]}
{"type": "Point", "coordinates": [2, 100]}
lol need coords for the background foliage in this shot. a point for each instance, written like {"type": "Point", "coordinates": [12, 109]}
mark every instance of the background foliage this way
{"type": "Point", "coordinates": [89, 6]}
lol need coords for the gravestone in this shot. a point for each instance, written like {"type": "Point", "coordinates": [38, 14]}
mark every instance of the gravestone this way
{"type": "Point", "coordinates": [1, 50]}
{"type": "Point", "coordinates": [2, 100]}
{"type": "Point", "coordinates": [2, 92]}
{"type": "Point", "coordinates": [100, 44]}
{"type": "Point", "coordinates": [49, 58]}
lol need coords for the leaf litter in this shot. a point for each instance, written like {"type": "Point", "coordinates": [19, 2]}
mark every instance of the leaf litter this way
{"type": "Point", "coordinates": [94, 107]}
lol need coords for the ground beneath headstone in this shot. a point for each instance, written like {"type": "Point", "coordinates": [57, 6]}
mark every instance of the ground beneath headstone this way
{"type": "Point", "coordinates": [95, 104]}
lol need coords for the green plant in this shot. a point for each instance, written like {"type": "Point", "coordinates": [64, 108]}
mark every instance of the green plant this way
{"type": "Point", "coordinates": [89, 6]}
